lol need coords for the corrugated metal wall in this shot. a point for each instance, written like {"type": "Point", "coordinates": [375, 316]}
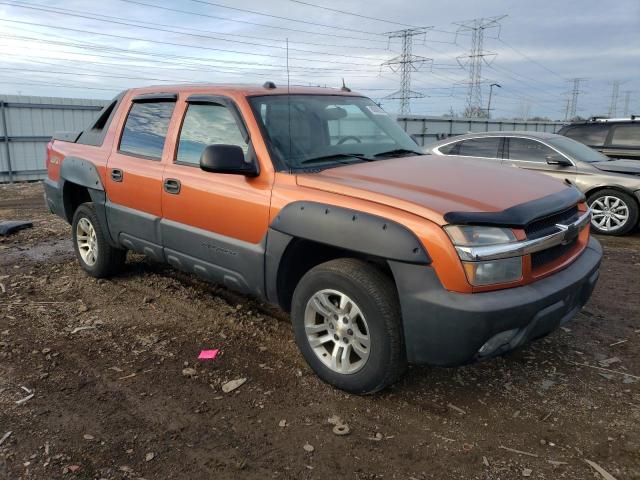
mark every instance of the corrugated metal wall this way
{"type": "Point", "coordinates": [30, 123]}
{"type": "Point", "coordinates": [427, 130]}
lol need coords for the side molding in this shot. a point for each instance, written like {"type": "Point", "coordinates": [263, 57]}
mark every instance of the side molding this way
{"type": "Point", "coordinates": [351, 230]}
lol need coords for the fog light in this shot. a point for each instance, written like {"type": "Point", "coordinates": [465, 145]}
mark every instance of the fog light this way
{"type": "Point", "coordinates": [497, 341]}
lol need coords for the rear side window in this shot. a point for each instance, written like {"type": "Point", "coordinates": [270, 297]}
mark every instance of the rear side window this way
{"type": "Point", "coordinates": [626, 135]}
{"type": "Point", "coordinates": [528, 150]}
{"type": "Point", "coordinates": [146, 128]}
{"type": "Point", "coordinates": [205, 125]}
{"type": "Point", "coordinates": [593, 135]}
{"type": "Point", "coordinates": [486, 147]}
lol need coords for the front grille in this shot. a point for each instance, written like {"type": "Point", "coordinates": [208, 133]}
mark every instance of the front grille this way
{"type": "Point", "coordinates": [546, 226]}
{"type": "Point", "coordinates": [544, 257]}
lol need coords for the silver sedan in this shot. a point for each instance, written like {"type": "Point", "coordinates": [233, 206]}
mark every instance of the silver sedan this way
{"type": "Point", "coordinates": [612, 187]}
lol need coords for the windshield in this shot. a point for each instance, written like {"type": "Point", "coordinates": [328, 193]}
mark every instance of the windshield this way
{"type": "Point", "coordinates": [577, 150]}
{"type": "Point", "coordinates": [321, 131]}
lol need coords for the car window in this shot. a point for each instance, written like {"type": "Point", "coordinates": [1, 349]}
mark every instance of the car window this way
{"type": "Point", "coordinates": [146, 128]}
{"type": "Point", "coordinates": [593, 135]}
{"type": "Point", "coordinates": [451, 149]}
{"type": "Point", "coordinates": [207, 125]}
{"type": "Point", "coordinates": [486, 147]}
{"type": "Point", "coordinates": [626, 135]}
{"type": "Point", "coordinates": [352, 125]}
{"type": "Point", "coordinates": [528, 150]}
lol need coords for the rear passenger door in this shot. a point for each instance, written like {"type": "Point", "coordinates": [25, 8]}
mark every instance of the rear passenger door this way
{"type": "Point", "coordinates": [214, 224]}
{"type": "Point", "coordinates": [134, 174]}
{"type": "Point", "coordinates": [534, 155]}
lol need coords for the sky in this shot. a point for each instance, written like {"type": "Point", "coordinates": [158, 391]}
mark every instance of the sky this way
{"type": "Point", "coordinates": [63, 48]}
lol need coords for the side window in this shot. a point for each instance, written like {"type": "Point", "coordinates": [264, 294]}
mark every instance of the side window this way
{"type": "Point", "coordinates": [206, 125]}
{"type": "Point", "coordinates": [486, 147]}
{"type": "Point", "coordinates": [528, 150]}
{"type": "Point", "coordinates": [626, 135]}
{"type": "Point", "coordinates": [594, 135]}
{"type": "Point", "coordinates": [145, 130]}
{"type": "Point", "coordinates": [451, 149]}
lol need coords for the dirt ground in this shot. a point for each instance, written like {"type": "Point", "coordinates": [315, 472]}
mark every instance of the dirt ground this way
{"type": "Point", "coordinates": [103, 371]}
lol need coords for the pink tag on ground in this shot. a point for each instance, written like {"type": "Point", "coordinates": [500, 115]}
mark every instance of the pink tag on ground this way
{"type": "Point", "coordinates": [208, 354]}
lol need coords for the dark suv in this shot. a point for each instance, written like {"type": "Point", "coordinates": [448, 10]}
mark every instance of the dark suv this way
{"type": "Point", "coordinates": [615, 137]}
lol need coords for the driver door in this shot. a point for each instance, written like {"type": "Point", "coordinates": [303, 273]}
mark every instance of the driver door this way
{"type": "Point", "coordinates": [213, 224]}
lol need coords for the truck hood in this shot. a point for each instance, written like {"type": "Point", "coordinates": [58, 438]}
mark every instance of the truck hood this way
{"type": "Point", "coordinates": [631, 167]}
{"type": "Point", "coordinates": [432, 185]}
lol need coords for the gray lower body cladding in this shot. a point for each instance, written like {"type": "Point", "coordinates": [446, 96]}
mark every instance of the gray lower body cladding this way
{"type": "Point", "coordinates": [446, 328]}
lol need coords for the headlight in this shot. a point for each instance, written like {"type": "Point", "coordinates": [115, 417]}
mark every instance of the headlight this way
{"type": "Point", "coordinates": [473, 236]}
{"type": "Point", "coordinates": [481, 273]}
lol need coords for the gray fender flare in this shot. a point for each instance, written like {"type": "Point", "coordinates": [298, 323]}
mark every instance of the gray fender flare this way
{"type": "Point", "coordinates": [339, 227]}
{"type": "Point", "coordinates": [82, 172]}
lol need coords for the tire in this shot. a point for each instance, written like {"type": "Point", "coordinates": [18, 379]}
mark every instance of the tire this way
{"type": "Point", "coordinates": [105, 260]}
{"type": "Point", "coordinates": [372, 310]}
{"type": "Point", "coordinates": [608, 206]}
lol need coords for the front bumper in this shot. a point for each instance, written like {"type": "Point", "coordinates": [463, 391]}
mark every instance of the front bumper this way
{"type": "Point", "coordinates": [447, 328]}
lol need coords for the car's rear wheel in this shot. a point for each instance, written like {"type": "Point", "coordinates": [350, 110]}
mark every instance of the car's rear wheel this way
{"type": "Point", "coordinates": [613, 212]}
{"type": "Point", "coordinates": [346, 319]}
{"type": "Point", "coordinates": [96, 256]}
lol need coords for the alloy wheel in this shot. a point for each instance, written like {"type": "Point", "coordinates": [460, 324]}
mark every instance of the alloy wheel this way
{"type": "Point", "coordinates": [87, 241]}
{"type": "Point", "coordinates": [609, 213]}
{"type": "Point", "coordinates": [337, 331]}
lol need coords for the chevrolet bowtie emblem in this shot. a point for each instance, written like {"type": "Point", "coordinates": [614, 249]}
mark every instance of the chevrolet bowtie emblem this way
{"type": "Point", "coordinates": [570, 232]}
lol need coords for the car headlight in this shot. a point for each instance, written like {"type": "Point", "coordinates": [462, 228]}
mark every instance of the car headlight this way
{"type": "Point", "coordinates": [490, 272]}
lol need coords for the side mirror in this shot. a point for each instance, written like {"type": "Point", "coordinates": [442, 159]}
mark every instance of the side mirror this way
{"type": "Point", "coordinates": [557, 159]}
{"type": "Point", "coordinates": [219, 158]}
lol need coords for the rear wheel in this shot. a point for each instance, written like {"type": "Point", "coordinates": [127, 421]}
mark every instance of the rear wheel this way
{"type": "Point", "coordinates": [96, 256]}
{"type": "Point", "coordinates": [614, 212]}
{"type": "Point", "coordinates": [346, 319]}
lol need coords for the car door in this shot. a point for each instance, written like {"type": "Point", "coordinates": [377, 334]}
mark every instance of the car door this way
{"type": "Point", "coordinates": [134, 174]}
{"type": "Point", "coordinates": [214, 224]}
{"type": "Point", "coordinates": [484, 149]}
{"type": "Point", "coordinates": [532, 154]}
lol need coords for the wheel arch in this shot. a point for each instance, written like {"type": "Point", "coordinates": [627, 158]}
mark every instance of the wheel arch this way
{"type": "Point", "coordinates": [306, 234]}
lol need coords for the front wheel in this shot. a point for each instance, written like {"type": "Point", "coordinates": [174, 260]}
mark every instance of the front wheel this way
{"type": "Point", "coordinates": [613, 212]}
{"type": "Point", "coordinates": [346, 319]}
{"type": "Point", "coordinates": [96, 256]}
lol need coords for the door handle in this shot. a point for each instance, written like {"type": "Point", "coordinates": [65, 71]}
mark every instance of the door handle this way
{"type": "Point", "coordinates": [172, 186]}
{"type": "Point", "coordinates": [117, 175]}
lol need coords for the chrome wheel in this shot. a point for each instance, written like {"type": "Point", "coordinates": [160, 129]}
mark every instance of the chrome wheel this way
{"type": "Point", "coordinates": [337, 331]}
{"type": "Point", "coordinates": [87, 241]}
{"type": "Point", "coordinates": [609, 213]}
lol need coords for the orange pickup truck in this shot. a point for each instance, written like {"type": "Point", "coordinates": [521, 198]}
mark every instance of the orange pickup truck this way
{"type": "Point", "coordinates": [317, 201]}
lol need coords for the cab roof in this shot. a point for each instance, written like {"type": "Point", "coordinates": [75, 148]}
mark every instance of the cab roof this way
{"type": "Point", "coordinates": [248, 90]}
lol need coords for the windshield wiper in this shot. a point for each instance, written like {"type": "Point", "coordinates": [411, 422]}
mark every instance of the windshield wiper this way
{"type": "Point", "coordinates": [397, 151]}
{"type": "Point", "coordinates": [336, 156]}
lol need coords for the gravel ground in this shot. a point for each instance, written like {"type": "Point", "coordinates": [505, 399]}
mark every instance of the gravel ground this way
{"type": "Point", "coordinates": [100, 379]}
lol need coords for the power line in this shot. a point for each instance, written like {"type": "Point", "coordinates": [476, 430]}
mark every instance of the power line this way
{"type": "Point", "coordinates": [121, 21]}
{"type": "Point", "coordinates": [406, 62]}
{"type": "Point", "coordinates": [247, 22]}
{"type": "Point", "coordinates": [200, 47]}
{"type": "Point", "coordinates": [530, 59]}
{"type": "Point", "coordinates": [344, 12]}
{"type": "Point", "coordinates": [288, 19]}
